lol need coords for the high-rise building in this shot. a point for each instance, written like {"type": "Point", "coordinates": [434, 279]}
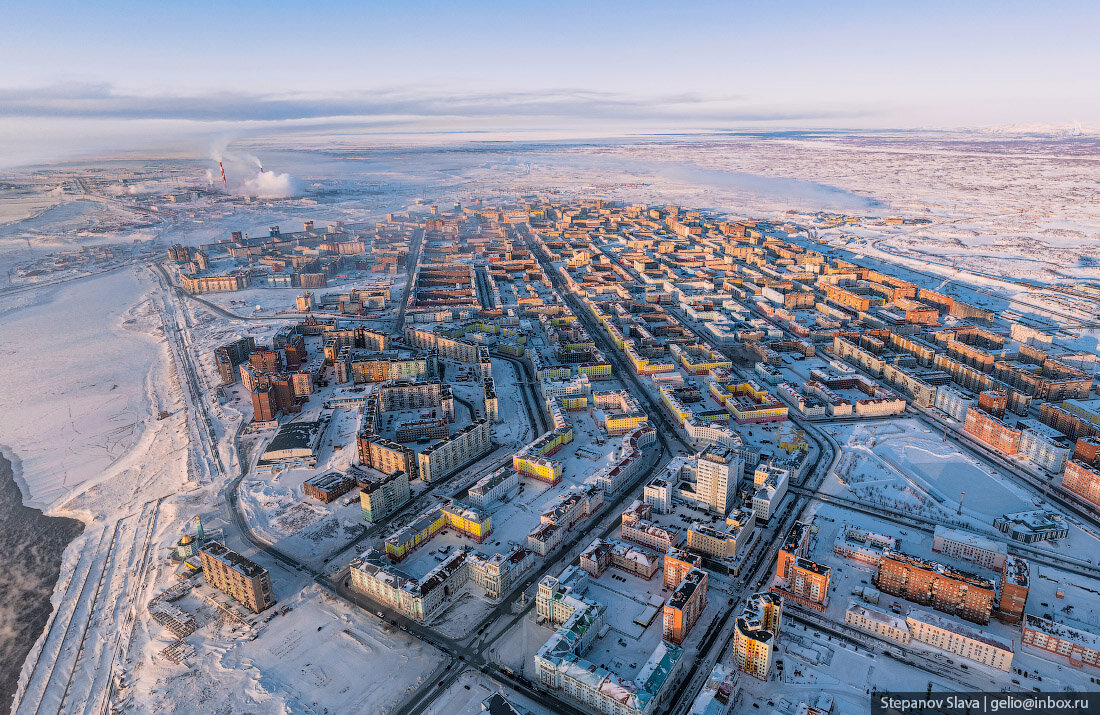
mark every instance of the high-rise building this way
{"type": "Point", "coordinates": [381, 494]}
{"type": "Point", "coordinates": [677, 564]}
{"type": "Point", "coordinates": [717, 471]}
{"type": "Point", "coordinates": [809, 580]}
{"type": "Point", "coordinates": [263, 404]}
{"type": "Point", "coordinates": [685, 606]}
{"type": "Point", "coordinates": [755, 632]}
{"type": "Point", "coordinates": [243, 580]}
{"type": "Point", "coordinates": [796, 545]}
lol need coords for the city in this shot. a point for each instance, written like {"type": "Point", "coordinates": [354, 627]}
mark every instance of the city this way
{"type": "Point", "coordinates": [580, 359]}
{"type": "Point", "coordinates": [626, 458]}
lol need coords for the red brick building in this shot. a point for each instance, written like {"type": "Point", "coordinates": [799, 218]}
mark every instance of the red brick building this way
{"type": "Point", "coordinates": [932, 584]}
{"type": "Point", "coordinates": [263, 404]}
{"type": "Point", "coordinates": [1082, 480]}
{"type": "Point", "coordinates": [328, 486]}
{"type": "Point", "coordinates": [992, 431]}
{"type": "Point", "coordinates": [266, 360]}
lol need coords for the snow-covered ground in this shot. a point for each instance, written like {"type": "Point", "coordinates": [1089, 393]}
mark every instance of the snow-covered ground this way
{"type": "Point", "coordinates": [89, 369]}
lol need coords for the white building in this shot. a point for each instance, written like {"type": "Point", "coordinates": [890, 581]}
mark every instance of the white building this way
{"type": "Point", "coordinates": [953, 403]}
{"type": "Point", "coordinates": [771, 486]}
{"type": "Point", "coordinates": [560, 665]}
{"type": "Point", "coordinates": [959, 639]}
{"type": "Point", "coordinates": [493, 487]}
{"type": "Point", "coordinates": [1044, 446]}
{"type": "Point", "coordinates": [969, 547]}
{"type": "Point", "coordinates": [717, 472]}
{"type": "Point", "coordinates": [883, 624]}
{"type": "Point", "coordinates": [658, 494]}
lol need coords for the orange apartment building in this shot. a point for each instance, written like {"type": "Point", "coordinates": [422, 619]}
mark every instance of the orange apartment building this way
{"type": "Point", "coordinates": [1082, 480]}
{"type": "Point", "coordinates": [677, 564]}
{"type": "Point", "coordinates": [795, 546]}
{"type": "Point", "coordinates": [810, 581]}
{"type": "Point", "coordinates": [685, 606]}
{"type": "Point", "coordinates": [933, 584]}
{"type": "Point", "coordinates": [992, 431]}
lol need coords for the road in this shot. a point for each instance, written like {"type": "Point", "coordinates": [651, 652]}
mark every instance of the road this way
{"type": "Point", "coordinates": [474, 651]}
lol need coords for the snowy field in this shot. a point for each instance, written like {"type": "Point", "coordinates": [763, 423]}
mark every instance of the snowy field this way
{"type": "Point", "coordinates": [902, 464]}
{"type": "Point", "coordinates": [88, 371]}
{"type": "Point", "coordinates": [80, 410]}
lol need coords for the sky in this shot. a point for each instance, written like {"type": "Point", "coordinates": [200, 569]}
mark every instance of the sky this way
{"type": "Point", "coordinates": [112, 73]}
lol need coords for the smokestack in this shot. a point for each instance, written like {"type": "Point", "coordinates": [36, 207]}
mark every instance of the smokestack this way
{"type": "Point", "coordinates": [224, 184]}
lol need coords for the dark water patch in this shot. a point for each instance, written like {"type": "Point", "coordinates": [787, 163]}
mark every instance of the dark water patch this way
{"type": "Point", "coordinates": [32, 544]}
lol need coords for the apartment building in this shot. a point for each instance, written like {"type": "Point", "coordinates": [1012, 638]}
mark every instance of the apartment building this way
{"type": "Point", "coordinates": [467, 444]}
{"type": "Point", "coordinates": [969, 547]}
{"type": "Point", "coordinates": [560, 663]}
{"type": "Point", "coordinates": [1044, 446]}
{"type": "Point", "coordinates": [685, 606]}
{"type": "Point", "coordinates": [230, 356]}
{"type": "Point", "coordinates": [381, 494]}
{"type": "Point", "coordinates": [493, 487]}
{"type": "Point", "coordinates": [1078, 643]}
{"type": "Point", "coordinates": [771, 486]}
{"type": "Point", "coordinates": [809, 581]}
{"type": "Point", "coordinates": [755, 632]}
{"type": "Point", "coordinates": [959, 639]}
{"type": "Point", "coordinates": [994, 432]}
{"type": "Point", "coordinates": [796, 545]}
{"type": "Point", "coordinates": [464, 519]}
{"type": "Point", "coordinates": [243, 580]}
{"type": "Point", "coordinates": [726, 544]}
{"type": "Point", "coordinates": [881, 623]}
{"type": "Point", "coordinates": [658, 494]}
{"type": "Point", "coordinates": [602, 554]}
{"type": "Point", "coordinates": [373, 575]}
{"type": "Point", "coordinates": [386, 456]}
{"type": "Point", "coordinates": [676, 565]}
{"type": "Point", "coordinates": [1014, 587]}
{"type": "Point", "coordinates": [717, 471]}
{"type": "Point", "coordinates": [575, 504]}
{"type": "Point", "coordinates": [1082, 480]}
{"type": "Point", "coordinates": [858, 544]}
{"type": "Point", "coordinates": [942, 587]}
{"type": "Point", "coordinates": [953, 403]}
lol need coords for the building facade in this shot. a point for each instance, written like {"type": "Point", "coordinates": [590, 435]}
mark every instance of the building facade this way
{"type": "Point", "coordinates": [243, 580]}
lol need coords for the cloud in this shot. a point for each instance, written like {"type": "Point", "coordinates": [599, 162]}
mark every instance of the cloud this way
{"type": "Point", "coordinates": [271, 185]}
{"type": "Point", "coordinates": [245, 175]}
{"type": "Point", "coordinates": [103, 101]}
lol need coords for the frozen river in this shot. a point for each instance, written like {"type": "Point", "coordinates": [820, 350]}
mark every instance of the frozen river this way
{"type": "Point", "coordinates": [74, 399]}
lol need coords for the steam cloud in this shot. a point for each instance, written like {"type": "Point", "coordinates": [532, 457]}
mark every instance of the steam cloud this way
{"type": "Point", "coordinates": [245, 176]}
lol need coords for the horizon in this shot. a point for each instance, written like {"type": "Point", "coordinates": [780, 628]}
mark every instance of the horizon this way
{"type": "Point", "coordinates": [153, 76]}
